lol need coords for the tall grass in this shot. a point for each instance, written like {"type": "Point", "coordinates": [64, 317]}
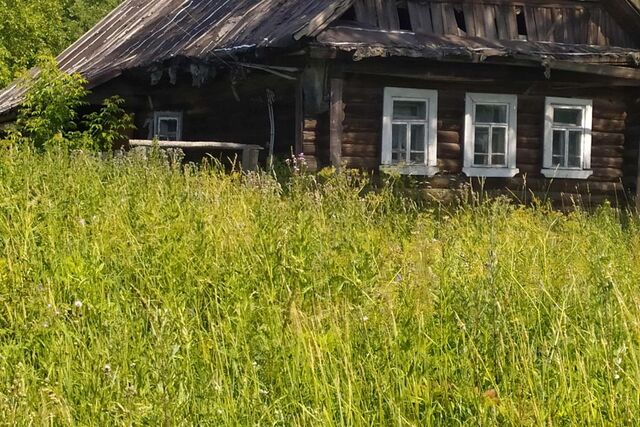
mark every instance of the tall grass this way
{"type": "Point", "coordinates": [133, 293]}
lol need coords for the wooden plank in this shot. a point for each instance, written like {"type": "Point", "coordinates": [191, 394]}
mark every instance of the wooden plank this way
{"type": "Point", "coordinates": [532, 29]}
{"type": "Point", "coordinates": [449, 20]}
{"type": "Point", "coordinates": [489, 14]}
{"type": "Point", "coordinates": [232, 146]}
{"type": "Point", "coordinates": [544, 23]}
{"type": "Point", "coordinates": [420, 15]}
{"type": "Point", "coordinates": [365, 12]}
{"type": "Point", "coordinates": [336, 122]}
{"type": "Point", "coordinates": [558, 24]}
{"type": "Point", "coordinates": [592, 27]}
{"type": "Point", "coordinates": [469, 17]}
{"type": "Point", "coordinates": [501, 21]}
{"type": "Point", "coordinates": [509, 13]}
{"type": "Point", "coordinates": [391, 14]}
{"type": "Point", "coordinates": [582, 35]}
{"type": "Point", "coordinates": [436, 17]}
{"type": "Point", "coordinates": [478, 18]}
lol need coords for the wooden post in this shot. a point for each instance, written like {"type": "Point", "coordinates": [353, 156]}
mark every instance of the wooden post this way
{"type": "Point", "coordinates": [299, 103]}
{"type": "Point", "coordinates": [250, 159]}
{"type": "Point", "coordinates": [638, 182]}
{"type": "Point", "coordinates": [337, 117]}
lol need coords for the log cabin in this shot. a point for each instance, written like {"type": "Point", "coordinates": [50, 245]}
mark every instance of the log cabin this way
{"type": "Point", "coordinates": [541, 95]}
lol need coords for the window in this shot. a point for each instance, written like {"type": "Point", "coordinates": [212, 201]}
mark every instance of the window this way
{"type": "Point", "coordinates": [490, 135]}
{"type": "Point", "coordinates": [567, 138]}
{"type": "Point", "coordinates": [409, 141]}
{"type": "Point", "coordinates": [167, 126]}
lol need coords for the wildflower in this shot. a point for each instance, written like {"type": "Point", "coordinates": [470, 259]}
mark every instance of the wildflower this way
{"type": "Point", "coordinates": [492, 396]}
{"type": "Point", "coordinates": [130, 389]}
{"type": "Point", "coordinates": [365, 318]}
{"type": "Point", "coordinates": [107, 369]}
{"type": "Point", "coordinates": [82, 222]}
{"type": "Point", "coordinates": [78, 304]}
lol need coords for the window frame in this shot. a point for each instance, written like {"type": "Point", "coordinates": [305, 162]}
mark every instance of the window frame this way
{"type": "Point", "coordinates": [470, 168]}
{"type": "Point", "coordinates": [585, 170]}
{"type": "Point", "coordinates": [430, 97]}
{"type": "Point", "coordinates": [167, 115]}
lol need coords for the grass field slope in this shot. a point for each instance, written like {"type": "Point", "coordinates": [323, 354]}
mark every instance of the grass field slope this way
{"type": "Point", "coordinates": [136, 293]}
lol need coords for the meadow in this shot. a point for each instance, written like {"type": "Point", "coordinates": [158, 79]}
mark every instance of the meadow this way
{"type": "Point", "coordinates": [133, 292]}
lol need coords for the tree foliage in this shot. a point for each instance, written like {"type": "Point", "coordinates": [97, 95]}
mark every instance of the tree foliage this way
{"type": "Point", "coordinates": [32, 28]}
{"type": "Point", "coordinates": [49, 115]}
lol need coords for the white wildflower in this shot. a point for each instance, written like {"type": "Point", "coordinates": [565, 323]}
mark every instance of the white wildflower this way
{"type": "Point", "coordinates": [78, 304]}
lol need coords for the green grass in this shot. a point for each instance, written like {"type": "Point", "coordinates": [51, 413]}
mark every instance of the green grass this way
{"type": "Point", "coordinates": [213, 299]}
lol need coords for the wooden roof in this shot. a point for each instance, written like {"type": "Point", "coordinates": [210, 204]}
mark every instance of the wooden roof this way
{"type": "Point", "coordinates": [140, 33]}
{"type": "Point", "coordinates": [371, 42]}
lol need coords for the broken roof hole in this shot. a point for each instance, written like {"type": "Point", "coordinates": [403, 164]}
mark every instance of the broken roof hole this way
{"type": "Point", "coordinates": [522, 23]}
{"type": "Point", "coordinates": [404, 19]}
{"type": "Point", "coordinates": [349, 15]}
{"type": "Point", "coordinates": [460, 19]}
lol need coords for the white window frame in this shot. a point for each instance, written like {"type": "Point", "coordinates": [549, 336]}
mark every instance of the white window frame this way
{"type": "Point", "coordinates": [584, 171]}
{"type": "Point", "coordinates": [430, 166]}
{"type": "Point", "coordinates": [167, 115]}
{"type": "Point", "coordinates": [472, 170]}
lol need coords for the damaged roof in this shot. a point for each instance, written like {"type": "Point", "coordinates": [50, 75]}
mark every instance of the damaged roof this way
{"type": "Point", "coordinates": [140, 33]}
{"type": "Point", "coordinates": [370, 42]}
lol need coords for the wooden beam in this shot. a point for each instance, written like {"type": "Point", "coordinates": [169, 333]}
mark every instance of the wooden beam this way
{"type": "Point", "coordinates": [597, 69]}
{"type": "Point", "coordinates": [336, 118]}
{"type": "Point", "coordinates": [250, 153]}
{"type": "Point", "coordinates": [299, 116]}
{"type": "Point", "coordinates": [194, 144]}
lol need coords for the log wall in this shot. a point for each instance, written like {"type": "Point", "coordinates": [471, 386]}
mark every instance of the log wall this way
{"type": "Point", "coordinates": [614, 159]}
{"type": "Point", "coordinates": [217, 111]}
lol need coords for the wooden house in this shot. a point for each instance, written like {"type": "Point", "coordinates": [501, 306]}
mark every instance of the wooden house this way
{"type": "Point", "coordinates": [542, 94]}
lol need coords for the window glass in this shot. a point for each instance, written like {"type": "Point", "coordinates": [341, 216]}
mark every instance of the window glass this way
{"type": "Point", "coordinates": [491, 113]}
{"type": "Point", "coordinates": [558, 148]}
{"type": "Point", "coordinates": [167, 129]}
{"type": "Point", "coordinates": [417, 143]}
{"type": "Point", "coordinates": [567, 116]}
{"type": "Point", "coordinates": [575, 150]}
{"type": "Point", "coordinates": [399, 143]}
{"type": "Point", "coordinates": [481, 149]}
{"type": "Point", "coordinates": [409, 110]}
{"type": "Point", "coordinates": [499, 146]}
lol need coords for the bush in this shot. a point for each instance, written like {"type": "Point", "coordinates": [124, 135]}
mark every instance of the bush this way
{"type": "Point", "coordinates": [48, 116]}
